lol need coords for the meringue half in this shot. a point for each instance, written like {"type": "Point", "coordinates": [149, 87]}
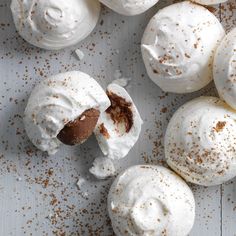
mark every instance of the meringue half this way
{"type": "Point", "coordinates": [119, 127]}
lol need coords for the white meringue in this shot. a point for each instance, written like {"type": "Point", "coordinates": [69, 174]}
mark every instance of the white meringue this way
{"type": "Point", "coordinates": [129, 7]}
{"type": "Point", "coordinates": [209, 2]}
{"type": "Point", "coordinates": [55, 24]}
{"type": "Point", "coordinates": [113, 138]}
{"type": "Point", "coordinates": [150, 201]}
{"type": "Point", "coordinates": [58, 100]}
{"type": "Point", "coordinates": [178, 47]}
{"type": "Point", "coordinates": [224, 69]}
{"type": "Point", "coordinates": [102, 168]}
{"type": "Point", "coordinates": [200, 141]}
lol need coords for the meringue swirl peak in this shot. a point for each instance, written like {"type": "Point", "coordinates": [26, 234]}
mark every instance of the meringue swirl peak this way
{"type": "Point", "coordinates": [150, 200]}
{"type": "Point", "coordinates": [55, 24]}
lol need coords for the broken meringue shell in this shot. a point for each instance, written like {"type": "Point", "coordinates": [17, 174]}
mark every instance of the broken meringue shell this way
{"type": "Point", "coordinates": [118, 128]}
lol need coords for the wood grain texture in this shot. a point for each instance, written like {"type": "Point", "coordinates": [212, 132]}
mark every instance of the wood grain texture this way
{"type": "Point", "coordinates": [38, 193]}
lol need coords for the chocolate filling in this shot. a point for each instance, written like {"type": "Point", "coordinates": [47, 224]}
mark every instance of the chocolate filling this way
{"type": "Point", "coordinates": [77, 131]}
{"type": "Point", "coordinates": [104, 131]}
{"type": "Point", "coordinates": [120, 111]}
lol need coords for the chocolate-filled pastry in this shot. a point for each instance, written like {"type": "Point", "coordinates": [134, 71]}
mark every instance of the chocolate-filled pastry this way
{"type": "Point", "coordinates": [64, 109]}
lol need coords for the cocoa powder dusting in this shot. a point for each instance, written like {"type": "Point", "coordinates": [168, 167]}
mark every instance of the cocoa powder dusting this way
{"type": "Point", "coordinates": [220, 126]}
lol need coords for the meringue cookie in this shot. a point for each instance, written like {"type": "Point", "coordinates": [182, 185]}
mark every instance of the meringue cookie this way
{"type": "Point", "coordinates": [129, 7]}
{"type": "Point", "coordinates": [151, 201]}
{"type": "Point", "coordinates": [209, 2]}
{"type": "Point", "coordinates": [178, 47]}
{"type": "Point", "coordinates": [224, 69]}
{"type": "Point", "coordinates": [55, 24]}
{"type": "Point", "coordinates": [200, 141]}
{"type": "Point", "coordinates": [58, 100]}
{"type": "Point", "coordinates": [119, 127]}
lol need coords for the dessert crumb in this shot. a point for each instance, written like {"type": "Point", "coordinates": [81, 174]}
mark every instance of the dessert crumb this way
{"type": "Point", "coordinates": [120, 80]}
{"type": "Point", "coordinates": [79, 54]}
{"type": "Point", "coordinates": [102, 168]}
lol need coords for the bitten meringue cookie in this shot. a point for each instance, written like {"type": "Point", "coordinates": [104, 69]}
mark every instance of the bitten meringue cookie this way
{"type": "Point", "coordinates": [178, 47]}
{"type": "Point", "coordinates": [209, 2]}
{"type": "Point", "coordinates": [64, 107]}
{"type": "Point", "coordinates": [200, 141]}
{"type": "Point", "coordinates": [151, 201]}
{"type": "Point", "coordinates": [119, 127]}
{"type": "Point", "coordinates": [224, 69]}
{"type": "Point", "coordinates": [55, 24]}
{"type": "Point", "coordinates": [129, 7]}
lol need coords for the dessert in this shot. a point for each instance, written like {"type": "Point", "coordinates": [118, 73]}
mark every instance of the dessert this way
{"type": "Point", "coordinates": [129, 7]}
{"type": "Point", "coordinates": [55, 24]}
{"type": "Point", "coordinates": [64, 109]}
{"type": "Point", "coordinates": [67, 108]}
{"type": "Point", "coordinates": [224, 69]}
{"type": "Point", "coordinates": [178, 47]}
{"type": "Point", "coordinates": [119, 127]}
{"type": "Point", "coordinates": [209, 2]}
{"type": "Point", "coordinates": [150, 200]}
{"type": "Point", "coordinates": [200, 141]}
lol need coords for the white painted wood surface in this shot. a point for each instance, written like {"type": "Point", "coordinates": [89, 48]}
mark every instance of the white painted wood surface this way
{"type": "Point", "coordinates": [38, 193]}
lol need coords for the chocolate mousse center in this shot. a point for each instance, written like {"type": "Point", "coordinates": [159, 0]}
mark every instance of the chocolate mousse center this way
{"type": "Point", "coordinates": [79, 130]}
{"type": "Point", "coordinates": [120, 111]}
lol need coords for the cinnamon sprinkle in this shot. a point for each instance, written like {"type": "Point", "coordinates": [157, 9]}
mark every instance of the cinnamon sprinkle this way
{"type": "Point", "coordinates": [220, 126]}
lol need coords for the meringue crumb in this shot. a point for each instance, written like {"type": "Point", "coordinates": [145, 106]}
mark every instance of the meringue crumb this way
{"type": "Point", "coordinates": [122, 82]}
{"type": "Point", "coordinates": [80, 182]}
{"type": "Point", "coordinates": [85, 194]}
{"type": "Point", "coordinates": [79, 54]}
{"type": "Point", "coordinates": [119, 80]}
{"type": "Point", "coordinates": [102, 168]}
